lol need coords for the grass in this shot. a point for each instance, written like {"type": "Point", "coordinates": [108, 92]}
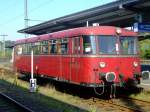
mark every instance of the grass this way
{"type": "Point", "coordinates": [49, 91]}
{"type": "Point", "coordinates": [144, 95]}
{"type": "Point", "coordinates": [93, 109]}
{"type": "Point", "coordinates": [48, 101]}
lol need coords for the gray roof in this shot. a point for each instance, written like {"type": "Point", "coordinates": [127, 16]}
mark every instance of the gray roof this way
{"type": "Point", "coordinates": [120, 13]}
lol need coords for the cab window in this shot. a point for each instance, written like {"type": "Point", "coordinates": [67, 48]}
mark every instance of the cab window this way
{"type": "Point", "coordinates": [89, 45]}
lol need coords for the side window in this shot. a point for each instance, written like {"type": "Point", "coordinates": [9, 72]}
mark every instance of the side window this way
{"type": "Point", "coordinates": [53, 47]}
{"type": "Point", "coordinates": [36, 48]}
{"type": "Point", "coordinates": [76, 45]}
{"type": "Point", "coordinates": [24, 49]}
{"type": "Point", "coordinates": [64, 46]}
{"type": "Point", "coordinates": [19, 49]}
{"type": "Point", "coordinates": [44, 46]}
{"type": "Point", "coordinates": [49, 47]}
{"type": "Point", "coordinates": [28, 48]}
{"type": "Point", "coordinates": [58, 46]}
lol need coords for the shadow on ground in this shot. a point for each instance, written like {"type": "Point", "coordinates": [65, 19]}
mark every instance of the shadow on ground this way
{"type": "Point", "coordinates": [38, 101]}
{"type": "Point", "coordinates": [88, 93]}
{"type": "Point", "coordinates": [83, 92]}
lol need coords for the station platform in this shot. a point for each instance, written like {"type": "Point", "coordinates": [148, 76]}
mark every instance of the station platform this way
{"type": "Point", "coordinates": [145, 84]}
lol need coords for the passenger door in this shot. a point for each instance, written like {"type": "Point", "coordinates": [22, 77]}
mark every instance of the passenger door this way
{"type": "Point", "coordinates": [75, 57]}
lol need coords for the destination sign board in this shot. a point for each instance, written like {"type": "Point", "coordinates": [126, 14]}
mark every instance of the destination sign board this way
{"type": "Point", "coordinates": [142, 27]}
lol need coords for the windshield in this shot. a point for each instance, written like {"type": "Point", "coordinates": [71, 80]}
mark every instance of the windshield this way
{"type": "Point", "coordinates": [107, 44]}
{"type": "Point", "coordinates": [128, 45]}
{"type": "Point", "coordinates": [89, 45]}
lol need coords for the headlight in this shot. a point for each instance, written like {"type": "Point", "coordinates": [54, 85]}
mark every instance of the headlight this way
{"type": "Point", "coordinates": [102, 64]}
{"type": "Point", "coordinates": [135, 64]}
{"type": "Point", "coordinates": [110, 76]}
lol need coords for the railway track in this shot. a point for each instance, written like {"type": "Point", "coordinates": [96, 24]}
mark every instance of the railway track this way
{"type": "Point", "coordinates": [140, 104]}
{"type": "Point", "coordinates": [116, 105]}
{"type": "Point", "coordinates": [21, 100]}
{"type": "Point", "coordinates": [109, 105]}
{"type": "Point", "coordinates": [33, 101]}
{"type": "Point", "coordinates": [8, 104]}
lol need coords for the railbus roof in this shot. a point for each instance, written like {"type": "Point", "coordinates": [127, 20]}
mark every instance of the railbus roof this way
{"type": "Point", "coordinates": [95, 30]}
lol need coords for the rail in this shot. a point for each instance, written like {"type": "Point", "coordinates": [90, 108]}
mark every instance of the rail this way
{"type": "Point", "coordinates": [114, 105]}
{"type": "Point", "coordinates": [24, 108]}
{"type": "Point", "coordinates": [126, 97]}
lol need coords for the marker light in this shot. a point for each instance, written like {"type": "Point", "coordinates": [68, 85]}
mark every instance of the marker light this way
{"type": "Point", "coordinates": [102, 64]}
{"type": "Point", "coordinates": [118, 31]}
{"type": "Point", "coordinates": [135, 64]}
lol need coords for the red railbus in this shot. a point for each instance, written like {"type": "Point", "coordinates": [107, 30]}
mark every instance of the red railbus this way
{"type": "Point", "coordinates": [87, 56]}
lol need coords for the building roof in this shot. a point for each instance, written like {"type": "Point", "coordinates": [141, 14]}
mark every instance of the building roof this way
{"type": "Point", "coordinates": [120, 13]}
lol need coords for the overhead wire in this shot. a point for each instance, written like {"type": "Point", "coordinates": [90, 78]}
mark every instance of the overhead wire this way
{"type": "Point", "coordinates": [35, 9]}
{"type": "Point", "coordinates": [8, 7]}
{"type": "Point", "coordinates": [21, 15]}
{"type": "Point", "coordinates": [41, 5]}
{"type": "Point", "coordinates": [11, 20]}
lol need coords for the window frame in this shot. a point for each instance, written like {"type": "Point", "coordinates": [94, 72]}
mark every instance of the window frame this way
{"type": "Point", "coordinates": [135, 52]}
{"type": "Point", "coordinates": [93, 53]}
{"type": "Point", "coordinates": [98, 43]}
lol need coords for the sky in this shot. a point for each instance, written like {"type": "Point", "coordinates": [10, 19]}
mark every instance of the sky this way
{"type": "Point", "coordinates": [12, 13]}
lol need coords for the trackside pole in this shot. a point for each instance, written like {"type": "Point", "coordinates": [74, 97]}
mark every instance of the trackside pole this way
{"type": "Point", "coordinates": [33, 85]}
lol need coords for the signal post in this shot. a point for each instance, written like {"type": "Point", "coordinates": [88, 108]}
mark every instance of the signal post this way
{"type": "Point", "coordinates": [33, 84]}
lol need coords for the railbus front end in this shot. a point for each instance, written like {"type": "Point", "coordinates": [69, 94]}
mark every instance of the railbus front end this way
{"type": "Point", "coordinates": [111, 60]}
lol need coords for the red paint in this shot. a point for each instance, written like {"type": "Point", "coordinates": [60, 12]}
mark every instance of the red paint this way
{"type": "Point", "coordinates": [78, 68]}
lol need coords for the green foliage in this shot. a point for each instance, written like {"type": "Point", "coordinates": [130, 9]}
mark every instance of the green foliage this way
{"type": "Point", "coordinates": [147, 54]}
{"type": "Point", "coordinates": [93, 109]}
{"type": "Point", "coordinates": [8, 53]}
{"type": "Point", "coordinates": [145, 49]}
{"type": "Point", "coordinates": [8, 49]}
